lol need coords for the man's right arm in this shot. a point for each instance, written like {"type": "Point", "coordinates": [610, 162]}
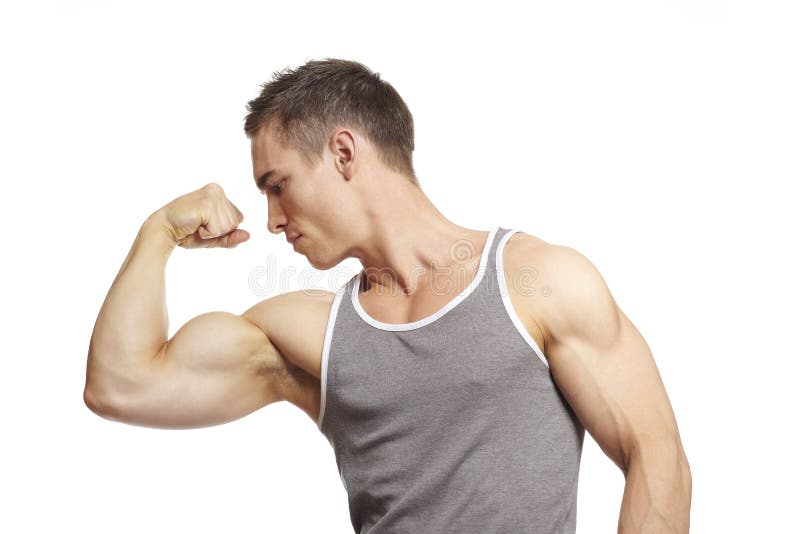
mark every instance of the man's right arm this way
{"type": "Point", "coordinates": [217, 367]}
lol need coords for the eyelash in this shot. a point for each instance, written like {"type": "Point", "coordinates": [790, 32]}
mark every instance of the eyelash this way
{"type": "Point", "coordinates": [274, 188]}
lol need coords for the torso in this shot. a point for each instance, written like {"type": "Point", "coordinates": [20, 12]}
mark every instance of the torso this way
{"type": "Point", "coordinates": [295, 322]}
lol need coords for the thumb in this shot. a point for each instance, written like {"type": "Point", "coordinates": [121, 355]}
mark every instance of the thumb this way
{"type": "Point", "coordinates": [205, 233]}
{"type": "Point", "coordinates": [231, 239]}
{"type": "Point", "coordinates": [228, 240]}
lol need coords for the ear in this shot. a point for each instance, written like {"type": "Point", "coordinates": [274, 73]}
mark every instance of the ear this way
{"type": "Point", "coordinates": [343, 147]}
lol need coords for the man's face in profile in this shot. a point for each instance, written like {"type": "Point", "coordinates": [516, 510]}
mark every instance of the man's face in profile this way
{"type": "Point", "coordinates": [306, 203]}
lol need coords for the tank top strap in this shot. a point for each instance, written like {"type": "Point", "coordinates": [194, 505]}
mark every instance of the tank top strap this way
{"type": "Point", "coordinates": [491, 280]}
{"type": "Point", "coordinates": [497, 235]}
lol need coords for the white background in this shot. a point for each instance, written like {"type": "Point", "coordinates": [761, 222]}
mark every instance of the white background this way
{"type": "Point", "coordinates": [658, 138]}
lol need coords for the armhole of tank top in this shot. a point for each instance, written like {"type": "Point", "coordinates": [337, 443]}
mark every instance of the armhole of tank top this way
{"type": "Point", "coordinates": [506, 297]}
{"type": "Point", "coordinates": [326, 348]}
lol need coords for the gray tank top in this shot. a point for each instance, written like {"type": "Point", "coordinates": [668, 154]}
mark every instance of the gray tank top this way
{"type": "Point", "coordinates": [452, 423]}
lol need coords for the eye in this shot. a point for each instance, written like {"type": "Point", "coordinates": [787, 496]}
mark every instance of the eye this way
{"type": "Point", "coordinates": [277, 187]}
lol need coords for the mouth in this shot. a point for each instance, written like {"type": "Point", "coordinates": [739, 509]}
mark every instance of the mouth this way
{"type": "Point", "coordinates": [294, 241]}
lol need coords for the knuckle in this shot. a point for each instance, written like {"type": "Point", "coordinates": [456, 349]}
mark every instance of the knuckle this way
{"type": "Point", "coordinates": [213, 188]}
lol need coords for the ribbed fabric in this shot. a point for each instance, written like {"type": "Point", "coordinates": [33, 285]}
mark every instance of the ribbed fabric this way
{"type": "Point", "coordinates": [452, 423]}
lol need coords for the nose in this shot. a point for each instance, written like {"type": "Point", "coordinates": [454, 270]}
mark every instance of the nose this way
{"type": "Point", "coordinates": [276, 218]}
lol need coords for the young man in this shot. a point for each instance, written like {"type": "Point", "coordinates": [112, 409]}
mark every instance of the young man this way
{"type": "Point", "coordinates": [453, 376]}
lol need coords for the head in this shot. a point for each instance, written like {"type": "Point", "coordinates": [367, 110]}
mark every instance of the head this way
{"type": "Point", "coordinates": [320, 135]}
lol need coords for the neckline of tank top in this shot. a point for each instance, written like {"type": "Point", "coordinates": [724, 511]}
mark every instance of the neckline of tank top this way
{"type": "Point", "coordinates": [452, 303]}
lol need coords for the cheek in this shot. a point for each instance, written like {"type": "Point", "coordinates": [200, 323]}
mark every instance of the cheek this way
{"type": "Point", "coordinates": [320, 206]}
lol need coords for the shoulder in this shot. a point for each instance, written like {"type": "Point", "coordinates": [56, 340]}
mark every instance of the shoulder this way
{"type": "Point", "coordinates": [302, 301]}
{"type": "Point", "coordinates": [558, 285]}
{"type": "Point", "coordinates": [295, 322]}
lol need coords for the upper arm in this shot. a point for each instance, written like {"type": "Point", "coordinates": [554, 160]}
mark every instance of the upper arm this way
{"type": "Point", "coordinates": [601, 362]}
{"type": "Point", "coordinates": [216, 368]}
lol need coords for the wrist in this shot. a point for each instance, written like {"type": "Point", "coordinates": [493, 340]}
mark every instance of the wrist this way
{"type": "Point", "coordinates": [156, 228]}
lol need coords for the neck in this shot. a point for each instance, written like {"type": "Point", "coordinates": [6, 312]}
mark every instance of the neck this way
{"type": "Point", "coordinates": [410, 244]}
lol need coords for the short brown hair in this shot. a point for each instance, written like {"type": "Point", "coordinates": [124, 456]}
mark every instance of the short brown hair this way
{"type": "Point", "coordinates": [309, 102]}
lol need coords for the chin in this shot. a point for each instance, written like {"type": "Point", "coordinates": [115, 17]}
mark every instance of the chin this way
{"type": "Point", "coordinates": [315, 264]}
{"type": "Point", "coordinates": [320, 265]}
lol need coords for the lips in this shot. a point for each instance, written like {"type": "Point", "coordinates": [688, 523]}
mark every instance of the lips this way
{"type": "Point", "coordinates": [291, 239]}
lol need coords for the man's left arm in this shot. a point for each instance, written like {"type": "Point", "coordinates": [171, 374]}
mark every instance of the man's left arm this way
{"type": "Point", "coordinates": [606, 371]}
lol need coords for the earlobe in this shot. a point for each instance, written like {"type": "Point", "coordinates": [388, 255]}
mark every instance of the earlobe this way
{"type": "Point", "coordinates": [341, 166]}
{"type": "Point", "coordinates": [346, 171]}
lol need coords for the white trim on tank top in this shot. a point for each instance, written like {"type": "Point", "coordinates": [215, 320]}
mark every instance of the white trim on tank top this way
{"type": "Point", "coordinates": [476, 279]}
{"type": "Point", "coordinates": [501, 280]}
{"type": "Point", "coordinates": [326, 349]}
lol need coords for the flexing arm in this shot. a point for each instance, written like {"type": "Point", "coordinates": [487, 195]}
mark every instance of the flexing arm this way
{"type": "Point", "coordinates": [607, 373]}
{"type": "Point", "coordinates": [216, 368]}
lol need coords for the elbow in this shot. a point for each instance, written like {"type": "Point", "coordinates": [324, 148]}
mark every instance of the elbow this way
{"type": "Point", "coordinates": [95, 395]}
{"type": "Point", "coordinates": [100, 403]}
{"type": "Point", "coordinates": [95, 402]}
{"type": "Point", "coordinates": [107, 389]}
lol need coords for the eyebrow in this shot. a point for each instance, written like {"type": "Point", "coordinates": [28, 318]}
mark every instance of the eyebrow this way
{"type": "Point", "coordinates": [261, 182]}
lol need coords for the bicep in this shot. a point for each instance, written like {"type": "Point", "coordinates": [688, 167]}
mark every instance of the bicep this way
{"type": "Point", "coordinates": [217, 367]}
{"type": "Point", "coordinates": [605, 369]}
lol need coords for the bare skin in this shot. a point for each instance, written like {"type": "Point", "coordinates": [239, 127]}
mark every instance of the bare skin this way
{"type": "Point", "coordinates": [220, 366]}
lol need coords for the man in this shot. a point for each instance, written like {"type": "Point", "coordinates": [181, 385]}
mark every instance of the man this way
{"type": "Point", "coordinates": [453, 376]}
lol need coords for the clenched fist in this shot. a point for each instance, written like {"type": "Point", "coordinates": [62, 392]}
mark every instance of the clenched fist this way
{"type": "Point", "coordinates": [203, 218]}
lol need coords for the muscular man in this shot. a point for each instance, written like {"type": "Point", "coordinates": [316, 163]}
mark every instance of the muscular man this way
{"type": "Point", "coordinates": [454, 376]}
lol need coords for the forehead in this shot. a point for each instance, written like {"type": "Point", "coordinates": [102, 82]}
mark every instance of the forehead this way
{"type": "Point", "coordinates": [270, 153]}
{"type": "Point", "coordinates": [265, 148]}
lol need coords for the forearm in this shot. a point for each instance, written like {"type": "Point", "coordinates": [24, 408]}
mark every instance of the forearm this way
{"type": "Point", "coordinates": [132, 324]}
{"type": "Point", "coordinates": [658, 492]}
